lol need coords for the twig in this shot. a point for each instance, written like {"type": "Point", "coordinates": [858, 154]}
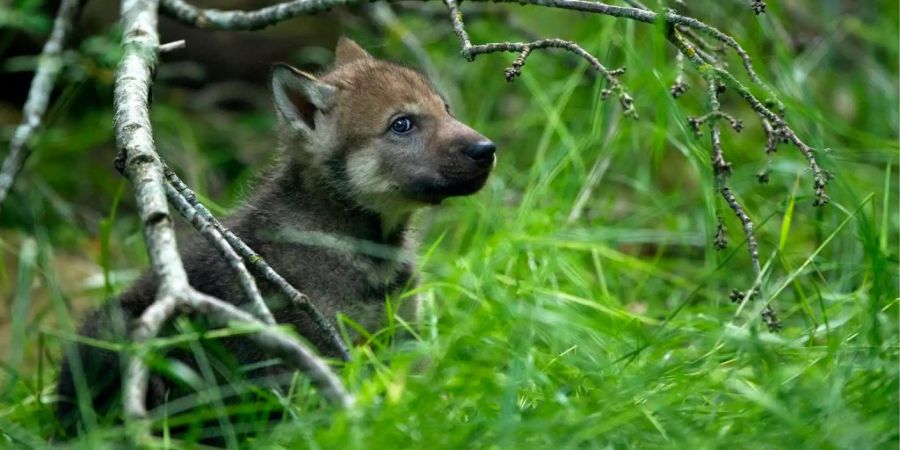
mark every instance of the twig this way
{"type": "Point", "coordinates": [245, 20]}
{"type": "Point", "coordinates": [270, 15]}
{"type": "Point", "coordinates": [470, 51]}
{"type": "Point", "coordinates": [260, 266]}
{"type": "Point", "coordinates": [48, 68]}
{"type": "Point", "coordinates": [525, 48]}
{"type": "Point", "coordinates": [746, 223]}
{"type": "Point", "coordinates": [722, 170]}
{"type": "Point", "coordinates": [248, 284]}
{"type": "Point", "coordinates": [172, 46]}
{"type": "Point", "coordinates": [270, 339]}
{"type": "Point", "coordinates": [136, 375]}
{"type": "Point", "coordinates": [137, 157]}
{"type": "Point", "coordinates": [480, 10]}
{"type": "Point", "coordinates": [707, 57]}
{"type": "Point", "coordinates": [703, 47]}
{"type": "Point", "coordinates": [772, 138]}
{"type": "Point", "coordinates": [696, 122]}
{"type": "Point", "coordinates": [783, 130]}
{"type": "Point", "coordinates": [140, 163]}
{"type": "Point", "coordinates": [679, 87]}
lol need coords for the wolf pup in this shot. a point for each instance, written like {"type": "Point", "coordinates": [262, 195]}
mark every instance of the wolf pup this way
{"type": "Point", "coordinates": [363, 146]}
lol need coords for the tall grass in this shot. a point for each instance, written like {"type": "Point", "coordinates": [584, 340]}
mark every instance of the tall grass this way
{"type": "Point", "coordinates": [577, 301]}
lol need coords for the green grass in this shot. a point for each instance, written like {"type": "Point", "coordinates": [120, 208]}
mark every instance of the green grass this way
{"type": "Point", "coordinates": [610, 327]}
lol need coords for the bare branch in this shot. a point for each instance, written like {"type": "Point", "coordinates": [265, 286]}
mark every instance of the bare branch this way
{"type": "Point", "coordinates": [704, 49]}
{"type": "Point", "coordinates": [137, 156]}
{"type": "Point", "coordinates": [746, 222]}
{"type": "Point", "coordinates": [767, 313]}
{"type": "Point", "coordinates": [722, 170]}
{"type": "Point", "coordinates": [260, 266]}
{"type": "Point", "coordinates": [48, 68]}
{"type": "Point", "coordinates": [781, 128]}
{"type": "Point", "coordinates": [820, 177]}
{"type": "Point", "coordinates": [696, 122]}
{"type": "Point", "coordinates": [271, 340]}
{"type": "Point", "coordinates": [679, 87]}
{"type": "Point", "coordinates": [141, 164]}
{"type": "Point", "coordinates": [248, 284]}
{"type": "Point", "coordinates": [524, 49]}
{"type": "Point", "coordinates": [245, 20]}
{"type": "Point", "coordinates": [172, 46]}
{"type": "Point", "coordinates": [270, 15]}
{"type": "Point", "coordinates": [137, 375]}
{"type": "Point", "coordinates": [771, 147]}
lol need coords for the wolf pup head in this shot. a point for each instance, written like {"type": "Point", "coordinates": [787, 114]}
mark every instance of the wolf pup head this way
{"type": "Point", "coordinates": [378, 133]}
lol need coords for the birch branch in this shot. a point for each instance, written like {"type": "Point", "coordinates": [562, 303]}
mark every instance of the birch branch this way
{"type": "Point", "coordinates": [141, 164]}
{"type": "Point", "coordinates": [260, 266]}
{"type": "Point", "coordinates": [214, 236]}
{"type": "Point", "coordinates": [48, 68]}
{"type": "Point", "coordinates": [270, 339]}
{"type": "Point", "coordinates": [137, 156]}
{"type": "Point", "coordinates": [246, 20]}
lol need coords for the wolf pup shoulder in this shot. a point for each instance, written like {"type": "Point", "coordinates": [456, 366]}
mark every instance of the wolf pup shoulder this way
{"type": "Point", "coordinates": [363, 147]}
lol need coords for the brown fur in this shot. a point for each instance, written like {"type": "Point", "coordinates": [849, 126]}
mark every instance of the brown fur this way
{"type": "Point", "coordinates": [333, 219]}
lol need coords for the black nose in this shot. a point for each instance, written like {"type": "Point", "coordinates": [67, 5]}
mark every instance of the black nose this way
{"type": "Point", "coordinates": [481, 152]}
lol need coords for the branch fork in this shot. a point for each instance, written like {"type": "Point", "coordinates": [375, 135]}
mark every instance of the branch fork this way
{"type": "Point", "coordinates": [140, 162]}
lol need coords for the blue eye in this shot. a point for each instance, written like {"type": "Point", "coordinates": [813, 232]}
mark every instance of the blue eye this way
{"type": "Point", "coordinates": [402, 125]}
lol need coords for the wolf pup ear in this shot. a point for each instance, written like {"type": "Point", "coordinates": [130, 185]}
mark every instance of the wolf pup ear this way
{"type": "Point", "coordinates": [298, 96]}
{"type": "Point", "coordinates": [348, 51]}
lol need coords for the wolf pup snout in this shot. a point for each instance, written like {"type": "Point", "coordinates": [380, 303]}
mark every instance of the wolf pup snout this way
{"type": "Point", "coordinates": [482, 153]}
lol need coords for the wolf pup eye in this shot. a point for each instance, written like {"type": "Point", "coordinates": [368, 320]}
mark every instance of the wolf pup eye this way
{"type": "Point", "coordinates": [402, 125]}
